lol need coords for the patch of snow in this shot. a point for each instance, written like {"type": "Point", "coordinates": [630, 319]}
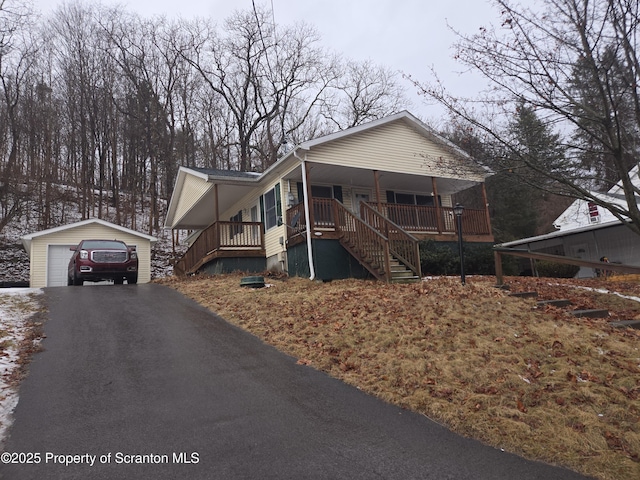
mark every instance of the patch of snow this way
{"type": "Point", "coordinates": [609, 292]}
{"type": "Point", "coordinates": [15, 261]}
{"type": "Point", "coordinates": [17, 305]}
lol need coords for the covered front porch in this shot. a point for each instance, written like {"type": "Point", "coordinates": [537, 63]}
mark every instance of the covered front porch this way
{"type": "Point", "coordinates": [420, 205]}
{"type": "Point", "coordinates": [378, 217]}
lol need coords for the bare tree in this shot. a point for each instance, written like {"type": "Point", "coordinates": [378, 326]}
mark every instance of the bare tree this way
{"type": "Point", "coordinates": [366, 92]}
{"type": "Point", "coordinates": [575, 64]}
{"type": "Point", "coordinates": [268, 79]}
{"type": "Point", "coordinates": [17, 57]}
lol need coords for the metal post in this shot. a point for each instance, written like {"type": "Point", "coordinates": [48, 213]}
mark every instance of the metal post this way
{"type": "Point", "coordinates": [458, 209]}
{"type": "Point", "coordinates": [498, 262]}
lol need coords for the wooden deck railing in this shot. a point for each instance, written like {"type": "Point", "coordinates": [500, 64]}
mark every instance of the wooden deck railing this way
{"type": "Point", "coordinates": [243, 237]}
{"type": "Point", "coordinates": [611, 267]}
{"type": "Point", "coordinates": [371, 239]}
{"type": "Point", "coordinates": [323, 216]}
{"type": "Point", "coordinates": [420, 218]}
{"type": "Point", "coordinates": [402, 245]}
{"type": "Point", "coordinates": [412, 218]}
{"type": "Point", "coordinates": [363, 241]}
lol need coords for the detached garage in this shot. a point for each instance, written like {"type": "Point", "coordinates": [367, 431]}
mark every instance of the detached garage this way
{"type": "Point", "coordinates": [49, 252]}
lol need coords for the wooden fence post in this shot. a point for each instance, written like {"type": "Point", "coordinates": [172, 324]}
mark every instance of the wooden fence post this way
{"type": "Point", "coordinates": [498, 262]}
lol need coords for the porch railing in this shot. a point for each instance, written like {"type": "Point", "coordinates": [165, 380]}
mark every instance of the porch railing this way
{"type": "Point", "coordinates": [323, 216]}
{"type": "Point", "coordinates": [421, 218]}
{"type": "Point", "coordinates": [402, 245]}
{"type": "Point", "coordinates": [363, 241]}
{"type": "Point", "coordinates": [245, 237]}
{"type": "Point", "coordinates": [412, 218]}
{"type": "Point", "coordinates": [370, 238]}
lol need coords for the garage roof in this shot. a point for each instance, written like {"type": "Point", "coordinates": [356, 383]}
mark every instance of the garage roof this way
{"type": "Point", "coordinates": [26, 240]}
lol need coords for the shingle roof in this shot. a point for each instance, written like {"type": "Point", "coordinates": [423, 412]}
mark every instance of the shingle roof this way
{"type": "Point", "coordinates": [225, 173]}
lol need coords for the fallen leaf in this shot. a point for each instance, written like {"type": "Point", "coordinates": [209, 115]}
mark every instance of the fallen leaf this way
{"type": "Point", "coordinates": [521, 407]}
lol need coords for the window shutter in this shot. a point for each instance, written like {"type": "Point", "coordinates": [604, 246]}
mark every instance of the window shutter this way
{"type": "Point", "coordinates": [337, 193]}
{"type": "Point", "coordinates": [278, 201]}
{"type": "Point", "coordinates": [391, 196]}
{"type": "Point", "coordinates": [300, 188]}
{"type": "Point", "coordinates": [262, 208]}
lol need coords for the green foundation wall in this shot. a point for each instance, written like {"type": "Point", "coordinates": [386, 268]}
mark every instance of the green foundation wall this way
{"type": "Point", "coordinates": [331, 261]}
{"type": "Point", "coordinates": [230, 265]}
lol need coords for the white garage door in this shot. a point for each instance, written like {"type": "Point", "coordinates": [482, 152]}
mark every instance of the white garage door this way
{"type": "Point", "coordinates": [57, 261]}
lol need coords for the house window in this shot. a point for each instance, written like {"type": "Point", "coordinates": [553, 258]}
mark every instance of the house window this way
{"type": "Point", "coordinates": [271, 207]}
{"type": "Point", "coordinates": [410, 199]}
{"type": "Point", "coordinates": [405, 199]}
{"type": "Point", "coordinates": [422, 219]}
{"type": "Point", "coordinates": [426, 200]}
{"type": "Point", "coordinates": [320, 191]}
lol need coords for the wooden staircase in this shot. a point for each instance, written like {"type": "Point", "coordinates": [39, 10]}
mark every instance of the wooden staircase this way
{"type": "Point", "coordinates": [388, 252]}
{"type": "Point", "coordinates": [400, 273]}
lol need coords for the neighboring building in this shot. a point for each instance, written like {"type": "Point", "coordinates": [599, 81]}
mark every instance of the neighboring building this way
{"type": "Point", "coordinates": [349, 204]}
{"type": "Point", "coordinates": [49, 250]}
{"type": "Point", "coordinates": [589, 232]}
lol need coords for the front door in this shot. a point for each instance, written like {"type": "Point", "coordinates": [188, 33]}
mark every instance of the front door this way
{"type": "Point", "coordinates": [358, 198]}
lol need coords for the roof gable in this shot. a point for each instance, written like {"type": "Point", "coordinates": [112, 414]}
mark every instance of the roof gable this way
{"type": "Point", "coordinates": [401, 147]}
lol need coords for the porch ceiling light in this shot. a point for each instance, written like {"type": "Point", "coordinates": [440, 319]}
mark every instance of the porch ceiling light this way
{"type": "Point", "coordinates": [458, 209]}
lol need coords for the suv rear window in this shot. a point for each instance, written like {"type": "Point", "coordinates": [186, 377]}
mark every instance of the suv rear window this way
{"type": "Point", "coordinates": [97, 244]}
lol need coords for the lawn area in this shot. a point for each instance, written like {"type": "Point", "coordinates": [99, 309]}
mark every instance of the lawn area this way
{"type": "Point", "coordinates": [531, 380]}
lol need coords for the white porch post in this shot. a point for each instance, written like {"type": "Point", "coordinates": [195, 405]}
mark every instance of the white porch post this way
{"type": "Point", "coordinates": [307, 213]}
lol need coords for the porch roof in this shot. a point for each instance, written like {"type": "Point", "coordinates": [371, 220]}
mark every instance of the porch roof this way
{"type": "Point", "coordinates": [361, 178]}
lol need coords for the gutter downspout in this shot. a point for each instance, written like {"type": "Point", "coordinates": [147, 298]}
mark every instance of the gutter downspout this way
{"type": "Point", "coordinates": [312, 269]}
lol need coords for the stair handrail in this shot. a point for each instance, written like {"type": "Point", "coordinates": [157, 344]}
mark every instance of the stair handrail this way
{"type": "Point", "coordinates": [360, 233]}
{"type": "Point", "coordinates": [404, 246]}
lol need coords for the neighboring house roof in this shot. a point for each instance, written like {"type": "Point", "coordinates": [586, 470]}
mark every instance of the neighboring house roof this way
{"type": "Point", "coordinates": [559, 234]}
{"type": "Point", "coordinates": [578, 214]}
{"type": "Point", "coordinates": [579, 217]}
{"type": "Point", "coordinates": [27, 239]}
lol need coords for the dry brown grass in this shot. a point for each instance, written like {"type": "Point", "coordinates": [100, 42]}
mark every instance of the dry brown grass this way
{"type": "Point", "coordinates": [534, 381]}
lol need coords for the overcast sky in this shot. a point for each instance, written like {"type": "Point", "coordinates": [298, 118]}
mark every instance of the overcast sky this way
{"type": "Point", "coordinates": [406, 35]}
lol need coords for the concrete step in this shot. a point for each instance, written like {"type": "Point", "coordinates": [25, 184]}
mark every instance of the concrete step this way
{"type": "Point", "coordinates": [626, 324]}
{"type": "Point", "coordinates": [555, 303]}
{"type": "Point", "coordinates": [595, 313]}
{"type": "Point", "coordinates": [524, 294]}
{"type": "Point", "coordinates": [412, 279]}
{"type": "Point", "coordinates": [402, 274]}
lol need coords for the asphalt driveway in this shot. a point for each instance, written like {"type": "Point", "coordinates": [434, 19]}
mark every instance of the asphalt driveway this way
{"type": "Point", "coordinates": [140, 382]}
